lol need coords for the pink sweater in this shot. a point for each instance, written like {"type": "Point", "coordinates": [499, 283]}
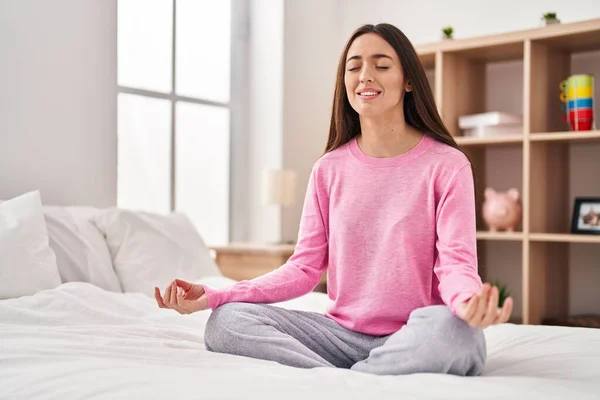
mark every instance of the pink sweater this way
{"type": "Point", "coordinates": [395, 234]}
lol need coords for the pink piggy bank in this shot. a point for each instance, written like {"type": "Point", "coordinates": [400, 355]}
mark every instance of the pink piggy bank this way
{"type": "Point", "coordinates": [502, 210]}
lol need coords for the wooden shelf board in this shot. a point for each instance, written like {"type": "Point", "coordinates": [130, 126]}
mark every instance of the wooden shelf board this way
{"type": "Point", "coordinates": [480, 141]}
{"type": "Point", "coordinates": [583, 136]}
{"type": "Point", "coordinates": [563, 237]}
{"type": "Point", "coordinates": [575, 42]}
{"type": "Point", "coordinates": [576, 36]}
{"type": "Point", "coordinates": [511, 236]}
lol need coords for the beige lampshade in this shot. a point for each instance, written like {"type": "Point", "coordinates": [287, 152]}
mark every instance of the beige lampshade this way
{"type": "Point", "coordinates": [279, 187]}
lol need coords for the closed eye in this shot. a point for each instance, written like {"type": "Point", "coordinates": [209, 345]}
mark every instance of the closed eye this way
{"type": "Point", "coordinates": [357, 68]}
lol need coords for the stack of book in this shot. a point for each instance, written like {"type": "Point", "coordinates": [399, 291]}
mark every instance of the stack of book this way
{"type": "Point", "coordinates": [491, 124]}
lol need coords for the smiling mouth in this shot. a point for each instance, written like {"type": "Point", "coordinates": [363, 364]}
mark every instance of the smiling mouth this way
{"type": "Point", "coordinates": [368, 95]}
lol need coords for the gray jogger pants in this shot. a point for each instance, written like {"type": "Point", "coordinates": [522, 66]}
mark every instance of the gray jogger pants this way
{"type": "Point", "coordinates": [433, 340]}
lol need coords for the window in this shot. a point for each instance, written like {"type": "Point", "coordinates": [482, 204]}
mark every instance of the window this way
{"type": "Point", "coordinates": [174, 84]}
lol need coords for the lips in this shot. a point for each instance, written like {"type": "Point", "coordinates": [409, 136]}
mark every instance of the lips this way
{"type": "Point", "coordinates": [368, 93]}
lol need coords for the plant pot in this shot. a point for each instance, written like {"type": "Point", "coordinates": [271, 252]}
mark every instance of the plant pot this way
{"type": "Point", "coordinates": [551, 21]}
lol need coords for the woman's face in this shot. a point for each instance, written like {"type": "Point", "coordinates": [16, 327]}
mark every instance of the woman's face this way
{"type": "Point", "coordinates": [374, 80]}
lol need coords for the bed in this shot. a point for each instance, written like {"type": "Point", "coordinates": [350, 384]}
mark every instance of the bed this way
{"type": "Point", "coordinates": [78, 340]}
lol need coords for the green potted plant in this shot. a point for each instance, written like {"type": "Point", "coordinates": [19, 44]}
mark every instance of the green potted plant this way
{"type": "Point", "coordinates": [550, 18]}
{"type": "Point", "coordinates": [503, 292]}
{"type": "Point", "coordinates": [447, 32]}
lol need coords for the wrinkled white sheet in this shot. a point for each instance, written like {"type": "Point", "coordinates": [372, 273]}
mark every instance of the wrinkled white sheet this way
{"type": "Point", "coordinates": [78, 341]}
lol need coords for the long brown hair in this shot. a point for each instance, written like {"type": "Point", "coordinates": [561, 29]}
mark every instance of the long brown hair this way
{"type": "Point", "coordinates": [419, 104]}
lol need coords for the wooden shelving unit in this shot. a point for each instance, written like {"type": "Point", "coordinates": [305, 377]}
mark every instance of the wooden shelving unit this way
{"type": "Point", "coordinates": [459, 74]}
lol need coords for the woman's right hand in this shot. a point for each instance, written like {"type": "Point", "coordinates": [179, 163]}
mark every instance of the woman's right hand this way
{"type": "Point", "coordinates": [183, 297]}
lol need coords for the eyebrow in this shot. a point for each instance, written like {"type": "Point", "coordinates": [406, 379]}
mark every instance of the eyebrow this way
{"type": "Point", "coordinates": [374, 56]}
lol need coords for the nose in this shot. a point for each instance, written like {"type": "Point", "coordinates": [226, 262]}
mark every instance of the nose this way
{"type": "Point", "coordinates": [365, 75]}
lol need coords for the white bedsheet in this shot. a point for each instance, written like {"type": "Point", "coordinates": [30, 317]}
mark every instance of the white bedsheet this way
{"type": "Point", "coordinates": [78, 341]}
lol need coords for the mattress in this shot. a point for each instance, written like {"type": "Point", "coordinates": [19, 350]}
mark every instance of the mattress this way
{"type": "Point", "coordinates": [78, 341]}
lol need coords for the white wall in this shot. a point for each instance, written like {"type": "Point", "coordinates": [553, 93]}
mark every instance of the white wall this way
{"type": "Point", "coordinates": [58, 100]}
{"type": "Point", "coordinates": [311, 54]}
{"type": "Point", "coordinates": [265, 113]}
{"type": "Point", "coordinates": [291, 73]}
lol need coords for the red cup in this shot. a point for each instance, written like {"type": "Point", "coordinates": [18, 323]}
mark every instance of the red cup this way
{"type": "Point", "coordinates": [580, 119]}
{"type": "Point", "coordinates": [581, 124]}
{"type": "Point", "coordinates": [581, 113]}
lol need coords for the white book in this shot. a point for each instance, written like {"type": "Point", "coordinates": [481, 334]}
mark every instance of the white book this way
{"type": "Point", "coordinates": [491, 131]}
{"type": "Point", "coordinates": [488, 119]}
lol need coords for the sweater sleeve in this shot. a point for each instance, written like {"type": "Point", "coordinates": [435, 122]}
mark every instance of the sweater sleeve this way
{"type": "Point", "coordinates": [456, 244]}
{"type": "Point", "coordinates": [303, 270]}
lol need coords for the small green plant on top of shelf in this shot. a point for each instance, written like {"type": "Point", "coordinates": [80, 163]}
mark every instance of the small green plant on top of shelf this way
{"type": "Point", "coordinates": [503, 292]}
{"type": "Point", "coordinates": [447, 32]}
{"type": "Point", "coordinates": [550, 18]}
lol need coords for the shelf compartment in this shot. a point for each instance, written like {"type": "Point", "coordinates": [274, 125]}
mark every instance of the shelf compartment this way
{"type": "Point", "coordinates": [501, 261]}
{"type": "Point", "coordinates": [545, 281]}
{"type": "Point", "coordinates": [468, 85]}
{"type": "Point", "coordinates": [551, 60]}
{"type": "Point", "coordinates": [564, 238]}
{"type": "Point", "coordinates": [485, 161]}
{"type": "Point", "coordinates": [548, 184]}
{"type": "Point", "coordinates": [427, 59]}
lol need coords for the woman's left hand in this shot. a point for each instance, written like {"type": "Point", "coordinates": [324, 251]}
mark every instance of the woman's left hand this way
{"type": "Point", "coordinates": [482, 309]}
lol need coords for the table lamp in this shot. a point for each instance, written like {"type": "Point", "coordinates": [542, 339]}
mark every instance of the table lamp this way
{"type": "Point", "coordinates": [280, 188]}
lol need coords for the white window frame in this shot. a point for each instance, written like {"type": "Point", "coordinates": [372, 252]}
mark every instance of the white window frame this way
{"type": "Point", "coordinates": [239, 57]}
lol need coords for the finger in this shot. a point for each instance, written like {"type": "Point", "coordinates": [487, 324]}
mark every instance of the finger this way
{"type": "Point", "coordinates": [167, 299]}
{"type": "Point", "coordinates": [492, 308]}
{"type": "Point", "coordinates": [158, 298]}
{"type": "Point", "coordinates": [474, 319]}
{"type": "Point", "coordinates": [506, 311]}
{"type": "Point", "coordinates": [173, 289]}
{"type": "Point", "coordinates": [171, 299]}
{"type": "Point", "coordinates": [181, 303]}
{"type": "Point", "coordinates": [179, 296]}
{"type": "Point", "coordinates": [183, 284]}
{"type": "Point", "coordinates": [481, 307]}
{"type": "Point", "coordinates": [471, 307]}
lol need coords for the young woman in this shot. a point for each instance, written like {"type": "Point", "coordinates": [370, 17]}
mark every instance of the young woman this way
{"type": "Point", "coordinates": [390, 213]}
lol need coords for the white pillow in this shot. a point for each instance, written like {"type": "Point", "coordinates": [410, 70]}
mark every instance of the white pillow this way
{"type": "Point", "coordinates": [81, 251]}
{"type": "Point", "coordinates": [151, 249]}
{"type": "Point", "coordinates": [27, 263]}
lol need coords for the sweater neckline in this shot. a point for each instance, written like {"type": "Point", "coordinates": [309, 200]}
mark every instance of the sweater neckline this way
{"type": "Point", "coordinates": [358, 154]}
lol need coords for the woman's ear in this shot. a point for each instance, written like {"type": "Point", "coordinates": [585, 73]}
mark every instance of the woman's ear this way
{"type": "Point", "coordinates": [408, 87]}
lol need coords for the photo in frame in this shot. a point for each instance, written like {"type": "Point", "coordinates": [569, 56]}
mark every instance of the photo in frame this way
{"type": "Point", "coordinates": [586, 216]}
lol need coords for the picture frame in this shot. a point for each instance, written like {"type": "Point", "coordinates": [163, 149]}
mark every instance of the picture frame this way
{"type": "Point", "coordinates": [586, 216]}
